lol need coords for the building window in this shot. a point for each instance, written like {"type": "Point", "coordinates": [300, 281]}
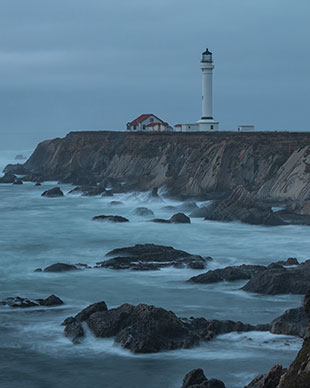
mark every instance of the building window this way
{"type": "Point", "coordinates": [151, 119]}
{"type": "Point", "coordinates": [143, 126]}
{"type": "Point", "coordinates": [211, 126]}
{"type": "Point", "coordinates": [134, 127]}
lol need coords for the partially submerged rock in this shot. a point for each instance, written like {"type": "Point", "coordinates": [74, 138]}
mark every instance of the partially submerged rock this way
{"type": "Point", "coordinates": [281, 280]}
{"type": "Point", "coordinates": [178, 218]}
{"type": "Point", "coordinates": [60, 267]}
{"type": "Point", "coordinates": [197, 379]}
{"type": "Point", "coordinates": [150, 257]}
{"type": "Point", "coordinates": [8, 178]}
{"type": "Point", "coordinates": [54, 192]}
{"type": "Point", "coordinates": [242, 206]}
{"type": "Point", "coordinates": [143, 212]}
{"type": "Point", "coordinates": [291, 322]}
{"type": "Point", "coordinates": [52, 300]}
{"type": "Point", "coordinates": [110, 218]}
{"type": "Point", "coordinates": [231, 273]}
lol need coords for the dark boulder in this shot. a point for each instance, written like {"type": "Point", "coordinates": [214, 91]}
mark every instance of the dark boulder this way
{"type": "Point", "coordinates": [197, 379]}
{"type": "Point", "coordinates": [91, 309]}
{"type": "Point", "coordinates": [73, 329]}
{"type": "Point", "coordinates": [291, 322]}
{"type": "Point", "coordinates": [17, 169]}
{"type": "Point", "coordinates": [180, 218]}
{"type": "Point", "coordinates": [270, 379]}
{"type": "Point", "coordinates": [54, 192]}
{"type": "Point", "coordinates": [60, 267]}
{"type": "Point", "coordinates": [110, 218]}
{"type": "Point", "coordinates": [143, 212]}
{"type": "Point", "coordinates": [50, 301]}
{"type": "Point", "coordinates": [242, 206]}
{"type": "Point", "coordinates": [150, 257]}
{"type": "Point", "coordinates": [38, 184]}
{"type": "Point", "coordinates": [288, 262]}
{"type": "Point", "coordinates": [280, 280]}
{"type": "Point", "coordinates": [8, 178]}
{"type": "Point", "coordinates": [241, 272]}
{"type": "Point", "coordinates": [142, 328]}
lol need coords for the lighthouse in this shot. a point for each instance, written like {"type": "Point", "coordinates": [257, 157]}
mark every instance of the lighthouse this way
{"type": "Point", "coordinates": [207, 122]}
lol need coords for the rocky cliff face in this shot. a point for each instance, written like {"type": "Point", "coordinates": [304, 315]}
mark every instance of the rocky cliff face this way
{"type": "Point", "coordinates": [275, 165]}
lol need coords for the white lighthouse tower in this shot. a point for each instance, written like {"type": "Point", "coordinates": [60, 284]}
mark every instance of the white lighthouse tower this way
{"type": "Point", "coordinates": [207, 123]}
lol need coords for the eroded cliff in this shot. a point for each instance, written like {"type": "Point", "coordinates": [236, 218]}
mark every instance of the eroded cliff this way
{"type": "Point", "coordinates": [273, 165]}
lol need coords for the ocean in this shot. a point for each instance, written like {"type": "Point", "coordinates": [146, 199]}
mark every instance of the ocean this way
{"type": "Point", "coordinates": [36, 232]}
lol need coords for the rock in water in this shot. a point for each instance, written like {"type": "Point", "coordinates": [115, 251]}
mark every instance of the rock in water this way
{"type": "Point", "coordinates": [150, 257]}
{"type": "Point", "coordinates": [280, 280]}
{"type": "Point", "coordinates": [180, 218]}
{"type": "Point", "coordinates": [110, 218]}
{"type": "Point", "coordinates": [8, 178]}
{"type": "Point", "coordinates": [143, 212]}
{"type": "Point", "coordinates": [54, 192]}
{"type": "Point", "coordinates": [242, 206]}
{"type": "Point", "coordinates": [60, 267]}
{"type": "Point", "coordinates": [52, 300]}
{"type": "Point", "coordinates": [291, 322]}
{"type": "Point", "coordinates": [241, 272]}
{"type": "Point", "coordinates": [197, 379]}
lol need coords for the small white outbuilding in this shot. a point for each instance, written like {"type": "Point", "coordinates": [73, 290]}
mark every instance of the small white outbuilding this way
{"type": "Point", "coordinates": [245, 128]}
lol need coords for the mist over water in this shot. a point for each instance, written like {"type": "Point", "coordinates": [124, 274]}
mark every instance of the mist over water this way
{"type": "Point", "coordinates": [36, 232]}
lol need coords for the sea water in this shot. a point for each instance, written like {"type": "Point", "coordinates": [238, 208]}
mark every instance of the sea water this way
{"type": "Point", "coordinates": [36, 231]}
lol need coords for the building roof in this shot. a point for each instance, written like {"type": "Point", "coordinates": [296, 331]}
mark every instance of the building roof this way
{"type": "Point", "coordinates": [207, 52]}
{"type": "Point", "coordinates": [142, 118]}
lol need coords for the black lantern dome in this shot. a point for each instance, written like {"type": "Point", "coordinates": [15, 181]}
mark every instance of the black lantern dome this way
{"type": "Point", "coordinates": [207, 56]}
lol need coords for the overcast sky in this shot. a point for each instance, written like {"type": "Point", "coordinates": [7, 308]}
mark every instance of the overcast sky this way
{"type": "Point", "coordinates": [97, 64]}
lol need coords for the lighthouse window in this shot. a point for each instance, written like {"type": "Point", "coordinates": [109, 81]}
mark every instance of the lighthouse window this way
{"type": "Point", "coordinates": [211, 126]}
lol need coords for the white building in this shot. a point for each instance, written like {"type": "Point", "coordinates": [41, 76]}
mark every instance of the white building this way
{"type": "Point", "coordinates": [207, 122]}
{"type": "Point", "coordinates": [245, 128]}
{"type": "Point", "coordinates": [148, 122]}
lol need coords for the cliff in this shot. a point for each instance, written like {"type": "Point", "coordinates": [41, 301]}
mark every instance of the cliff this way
{"type": "Point", "coordinates": [274, 165]}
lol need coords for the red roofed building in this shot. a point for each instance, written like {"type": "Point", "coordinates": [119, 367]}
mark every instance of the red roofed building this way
{"type": "Point", "coordinates": [148, 122]}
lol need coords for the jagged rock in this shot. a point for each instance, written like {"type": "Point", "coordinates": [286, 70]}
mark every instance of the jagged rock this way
{"type": "Point", "coordinates": [291, 322]}
{"type": "Point", "coordinates": [180, 218]}
{"type": "Point", "coordinates": [8, 178]}
{"type": "Point", "coordinates": [17, 169]}
{"type": "Point", "coordinates": [197, 379]}
{"type": "Point", "coordinates": [289, 261]}
{"type": "Point", "coordinates": [281, 280]}
{"type": "Point", "coordinates": [242, 206]}
{"type": "Point", "coordinates": [52, 300]}
{"type": "Point", "coordinates": [230, 273]}
{"type": "Point", "coordinates": [60, 267]}
{"type": "Point", "coordinates": [110, 218]}
{"type": "Point", "coordinates": [88, 190]}
{"type": "Point", "coordinates": [73, 329]}
{"type": "Point", "coordinates": [91, 309]}
{"type": "Point", "coordinates": [143, 212]}
{"type": "Point", "coordinates": [270, 379]}
{"type": "Point", "coordinates": [150, 257]}
{"type": "Point", "coordinates": [54, 192]}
